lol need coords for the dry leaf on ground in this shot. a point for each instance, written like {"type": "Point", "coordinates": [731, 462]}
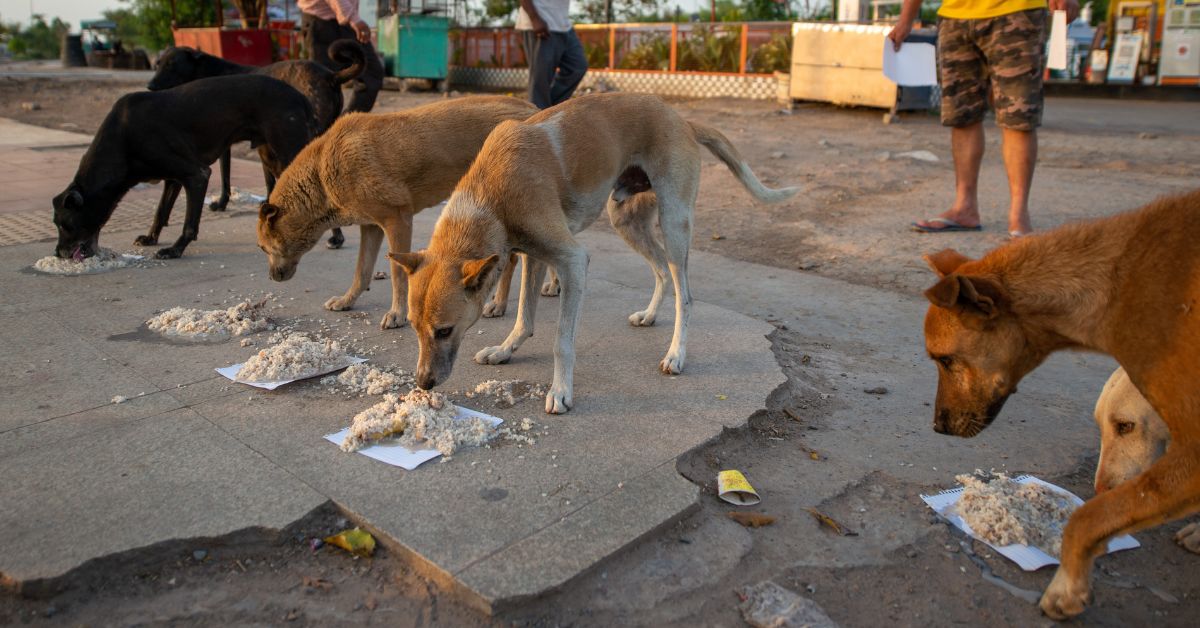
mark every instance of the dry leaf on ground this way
{"type": "Point", "coordinates": [752, 519]}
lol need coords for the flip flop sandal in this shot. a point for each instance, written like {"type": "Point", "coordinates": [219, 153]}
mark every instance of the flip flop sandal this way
{"type": "Point", "coordinates": [947, 226]}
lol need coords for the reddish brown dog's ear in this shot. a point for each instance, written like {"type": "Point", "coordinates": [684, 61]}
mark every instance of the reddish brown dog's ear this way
{"type": "Point", "coordinates": [981, 296]}
{"type": "Point", "coordinates": [410, 262]}
{"type": "Point", "coordinates": [945, 261]}
{"type": "Point", "coordinates": [268, 212]}
{"type": "Point", "coordinates": [475, 270]}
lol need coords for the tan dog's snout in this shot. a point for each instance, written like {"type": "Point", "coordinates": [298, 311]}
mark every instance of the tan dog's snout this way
{"type": "Point", "coordinates": [1132, 435]}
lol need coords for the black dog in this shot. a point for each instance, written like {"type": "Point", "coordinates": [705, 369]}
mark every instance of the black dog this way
{"type": "Point", "coordinates": [174, 135]}
{"type": "Point", "coordinates": [322, 87]}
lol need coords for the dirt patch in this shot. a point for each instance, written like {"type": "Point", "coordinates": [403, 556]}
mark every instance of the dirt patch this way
{"type": "Point", "coordinates": [250, 578]}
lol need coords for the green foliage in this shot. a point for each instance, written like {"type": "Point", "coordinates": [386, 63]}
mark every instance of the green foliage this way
{"type": "Point", "coordinates": [653, 52]}
{"type": "Point", "coordinates": [709, 49]}
{"type": "Point", "coordinates": [500, 8]}
{"type": "Point", "coordinates": [39, 40]}
{"type": "Point", "coordinates": [595, 11]}
{"type": "Point", "coordinates": [147, 23]}
{"type": "Point", "coordinates": [773, 56]}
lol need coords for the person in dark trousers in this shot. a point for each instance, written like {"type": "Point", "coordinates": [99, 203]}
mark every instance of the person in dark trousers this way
{"type": "Point", "coordinates": [556, 59]}
{"type": "Point", "coordinates": [325, 21]}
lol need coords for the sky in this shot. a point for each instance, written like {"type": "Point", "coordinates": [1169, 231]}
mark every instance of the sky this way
{"type": "Point", "coordinates": [73, 11]}
{"type": "Point", "coordinates": [69, 10]}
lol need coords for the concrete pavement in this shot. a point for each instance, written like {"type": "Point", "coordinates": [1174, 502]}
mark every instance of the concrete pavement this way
{"type": "Point", "coordinates": [197, 456]}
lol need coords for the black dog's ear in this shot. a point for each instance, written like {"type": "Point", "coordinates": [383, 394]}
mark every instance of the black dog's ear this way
{"type": "Point", "coordinates": [979, 296]}
{"type": "Point", "coordinates": [73, 200]}
{"type": "Point", "coordinates": [268, 212]}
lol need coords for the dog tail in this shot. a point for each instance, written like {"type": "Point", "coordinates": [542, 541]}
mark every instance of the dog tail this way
{"type": "Point", "coordinates": [720, 146]}
{"type": "Point", "coordinates": [347, 51]}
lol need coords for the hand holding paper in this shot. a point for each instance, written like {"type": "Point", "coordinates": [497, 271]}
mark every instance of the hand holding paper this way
{"type": "Point", "coordinates": [914, 65]}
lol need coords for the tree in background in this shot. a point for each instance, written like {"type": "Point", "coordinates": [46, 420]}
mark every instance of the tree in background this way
{"type": "Point", "coordinates": [39, 40]}
{"type": "Point", "coordinates": [147, 23]}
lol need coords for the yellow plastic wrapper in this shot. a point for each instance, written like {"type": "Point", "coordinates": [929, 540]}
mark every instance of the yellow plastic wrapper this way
{"type": "Point", "coordinates": [357, 541]}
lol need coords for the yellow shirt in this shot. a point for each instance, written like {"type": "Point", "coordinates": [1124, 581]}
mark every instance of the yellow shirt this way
{"type": "Point", "coordinates": [978, 9]}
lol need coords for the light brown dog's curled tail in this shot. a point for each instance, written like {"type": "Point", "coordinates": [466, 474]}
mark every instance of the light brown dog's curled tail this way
{"type": "Point", "coordinates": [720, 146]}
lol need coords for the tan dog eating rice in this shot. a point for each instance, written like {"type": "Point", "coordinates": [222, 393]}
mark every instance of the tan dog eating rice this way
{"type": "Point", "coordinates": [377, 171]}
{"type": "Point", "coordinates": [1128, 286]}
{"type": "Point", "coordinates": [1132, 437]}
{"type": "Point", "coordinates": [534, 185]}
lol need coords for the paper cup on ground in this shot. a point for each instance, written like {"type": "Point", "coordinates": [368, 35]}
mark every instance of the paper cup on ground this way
{"type": "Point", "coordinates": [733, 488]}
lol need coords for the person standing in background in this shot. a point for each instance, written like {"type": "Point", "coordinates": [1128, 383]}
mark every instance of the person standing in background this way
{"type": "Point", "coordinates": [556, 59]}
{"type": "Point", "coordinates": [323, 22]}
{"type": "Point", "coordinates": [988, 51]}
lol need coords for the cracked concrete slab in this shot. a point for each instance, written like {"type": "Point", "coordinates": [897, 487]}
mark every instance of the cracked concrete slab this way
{"type": "Point", "coordinates": [500, 524]}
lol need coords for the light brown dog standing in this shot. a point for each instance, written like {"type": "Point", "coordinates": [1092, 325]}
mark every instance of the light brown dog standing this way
{"type": "Point", "coordinates": [378, 171]}
{"type": "Point", "coordinates": [1128, 286]}
{"type": "Point", "coordinates": [534, 186]}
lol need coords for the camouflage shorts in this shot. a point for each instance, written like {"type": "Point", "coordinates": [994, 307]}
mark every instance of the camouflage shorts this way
{"type": "Point", "coordinates": [1002, 57]}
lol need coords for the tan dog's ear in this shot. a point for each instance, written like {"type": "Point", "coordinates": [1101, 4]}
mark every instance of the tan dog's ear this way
{"type": "Point", "coordinates": [410, 261]}
{"type": "Point", "coordinates": [945, 261]}
{"type": "Point", "coordinates": [268, 212]}
{"type": "Point", "coordinates": [981, 296]}
{"type": "Point", "coordinates": [476, 270]}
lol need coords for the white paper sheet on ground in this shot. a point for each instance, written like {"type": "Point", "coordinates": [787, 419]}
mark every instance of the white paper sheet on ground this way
{"type": "Point", "coordinates": [230, 373]}
{"type": "Point", "coordinates": [915, 64]}
{"type": "Point", "coordinates": [1057, 56]}
{"type": "Point", "coordinates": [397, 455]}
{"type": "Point", "coordinates": [1029, 558]}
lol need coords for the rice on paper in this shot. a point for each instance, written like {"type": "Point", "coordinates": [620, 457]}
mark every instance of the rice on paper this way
{"type": "Point", "coordinates": [361, 379]}
{"type": "Point", "coordinates": [239, 320]}
{"type": "Point", "coordinates": [418, 420]}
{"type": "Point", "coordinates": [104, 260]}
{"type": "Point", "coordinates": [296, 357]}
{"type": "Point", "coordinates": [1004, 512]}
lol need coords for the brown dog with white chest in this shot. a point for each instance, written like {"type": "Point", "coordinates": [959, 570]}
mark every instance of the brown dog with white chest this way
{"type": "Point", "coordinates": [1128, 286]}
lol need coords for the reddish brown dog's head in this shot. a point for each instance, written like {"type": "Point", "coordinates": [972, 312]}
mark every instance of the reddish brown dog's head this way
{"type": "Point", "coordinates": [980, 347]}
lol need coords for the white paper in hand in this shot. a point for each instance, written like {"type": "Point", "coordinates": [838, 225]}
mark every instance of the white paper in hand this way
{"type": "Point", "coordinates": [915, 65]}
{"type": "Point", "coordinates": [1058, 42]}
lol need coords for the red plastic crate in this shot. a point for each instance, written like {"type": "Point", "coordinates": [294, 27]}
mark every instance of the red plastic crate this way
{"type": "Point", "coordinates": [248, 47]}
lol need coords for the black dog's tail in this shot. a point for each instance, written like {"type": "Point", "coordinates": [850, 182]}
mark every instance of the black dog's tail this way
{"type": "Point", "coordinates": [347, 51]}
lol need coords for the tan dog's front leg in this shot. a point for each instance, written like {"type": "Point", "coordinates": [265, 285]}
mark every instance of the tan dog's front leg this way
{"type": "Point", "coordinates": [499, 303]}
{"type": "Point", "coordinates": [399, 235]}
{"type": "Point", "coordinates": [368, 251]}
{"type": "Point", "coordinates": [531, 276]}
{"type": "Point", "coordinates": [1167, 490]}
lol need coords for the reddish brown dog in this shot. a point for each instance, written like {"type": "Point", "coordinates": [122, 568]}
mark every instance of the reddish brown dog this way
{"type": "Point", "coordinates": [1128, 286]}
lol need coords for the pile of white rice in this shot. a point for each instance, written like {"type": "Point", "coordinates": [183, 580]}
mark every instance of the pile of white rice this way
{"type": "Point", "coordinates": [104, 260]}
{"type": "Point", "coordinates": [508, 392]}
{"type": "Point", "coordinates": [192, 324]}
{"type": "Point", "coordinates": [1005, 512]}
{"type": "Point", "coordinates": [361, 379]}
{"type": "Point", "coordinates": [296, 357]}
{"type": "Point", "coordinates": [417, 420]}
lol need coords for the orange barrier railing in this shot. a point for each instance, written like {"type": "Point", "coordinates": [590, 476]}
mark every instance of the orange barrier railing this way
{"type": "Point", "coordinates": [710, 48]}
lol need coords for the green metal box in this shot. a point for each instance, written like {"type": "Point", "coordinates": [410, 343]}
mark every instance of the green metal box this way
{"type": "Point", "coordinates": [415, 46]}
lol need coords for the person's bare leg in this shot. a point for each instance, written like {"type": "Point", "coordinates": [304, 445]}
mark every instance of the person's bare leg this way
{"type": "Point", "coordinates": [1020, 155]}
{"type": "Point", "coordinates": [966, 144]}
